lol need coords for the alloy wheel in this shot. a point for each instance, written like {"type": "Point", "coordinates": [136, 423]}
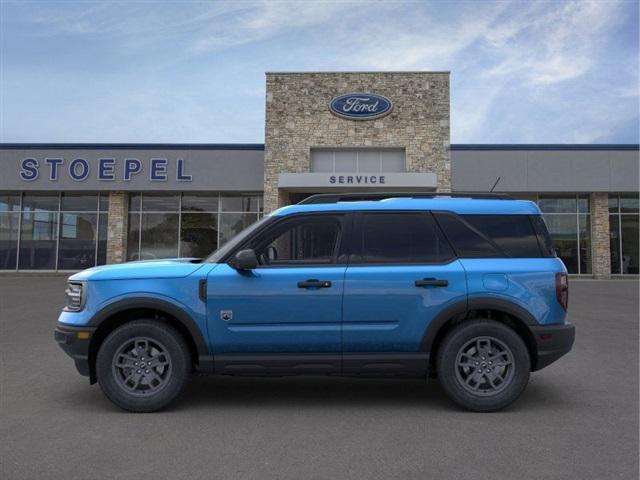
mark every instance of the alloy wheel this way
{"type": "Point", "coordinates": [484, 366]}
{"type": "Point", "coordinates": [141, 366]}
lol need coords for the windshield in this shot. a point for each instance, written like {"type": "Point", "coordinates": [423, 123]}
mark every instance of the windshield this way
{"type": "Point", "coordinates": [224, 250]}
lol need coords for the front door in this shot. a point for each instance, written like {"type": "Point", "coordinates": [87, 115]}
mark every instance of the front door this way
{"type": "Point", "coordinates": [400, 276]}
{"type": "Point", "coordinates": [287, 312]}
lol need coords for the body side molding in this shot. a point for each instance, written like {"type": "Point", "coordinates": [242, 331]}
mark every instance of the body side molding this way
{"type": "Point", "coordinates": [360, 364]}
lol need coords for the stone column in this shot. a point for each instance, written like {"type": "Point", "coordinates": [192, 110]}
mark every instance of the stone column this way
{"type": "Point", "coordinates": [600, 252]}
{"type": "Point", "coordinates": [117, 227]}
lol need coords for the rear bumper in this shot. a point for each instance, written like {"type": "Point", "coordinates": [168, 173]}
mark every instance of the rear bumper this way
{"type": "Point", "coordinates": [74, 345]}
{"type": "Point", "coordinates": [552, 342]}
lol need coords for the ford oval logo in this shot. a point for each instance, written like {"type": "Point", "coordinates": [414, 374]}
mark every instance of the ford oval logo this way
{"type": "Point", "coordinates": [360, 106]}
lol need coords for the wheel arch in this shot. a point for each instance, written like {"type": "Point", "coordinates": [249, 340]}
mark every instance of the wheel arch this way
{"type": "Point", "coordinates": [504, 311]}
{"type": "Point", "coordinates": [127, 310]}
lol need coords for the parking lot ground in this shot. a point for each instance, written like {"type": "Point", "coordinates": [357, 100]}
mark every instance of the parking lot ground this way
{"type": "Point", "coordinates": [578, 418]}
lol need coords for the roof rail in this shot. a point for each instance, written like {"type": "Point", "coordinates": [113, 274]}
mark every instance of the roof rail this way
{"type": "Point", "coordinates": [356, 197]}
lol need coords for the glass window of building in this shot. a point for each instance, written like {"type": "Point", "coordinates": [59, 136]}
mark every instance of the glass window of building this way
{"type": "Point", "coordinates": [569, 223]}
{"type": "Point", "coordinates": [39, 231]}
{"type": "Point", "coordinates": [199, 224]}
{"type": "Point", "coordinates": [153, 226]}
{"type": "Point", "coordinates": [623, 233]}
{"type": "Point", "coordinates": [186, 225]}
{"type": "Point", "coordinates": [78, 231]}
{"type": "Point", "coordinates": [353, 160]}
{"type": "Point", "coordinates": [52, 231]}
{"type": "Point", "coordinates": [9, 229]}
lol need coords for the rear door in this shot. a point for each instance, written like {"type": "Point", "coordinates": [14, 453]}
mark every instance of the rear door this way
{"type": "Point", "coordinates": [402, 273]}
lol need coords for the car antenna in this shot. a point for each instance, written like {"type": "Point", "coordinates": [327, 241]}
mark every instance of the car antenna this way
{"type": "Point", "coordinates": [494, 185]}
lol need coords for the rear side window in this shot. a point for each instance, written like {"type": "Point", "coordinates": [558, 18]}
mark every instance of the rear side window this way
{"type": "Point", "coordinates": [401, 238]}
{"type": "Point", "coordinates": [491, 236]}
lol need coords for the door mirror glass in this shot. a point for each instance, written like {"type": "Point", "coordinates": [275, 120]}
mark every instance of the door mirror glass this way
{"type": "Point", "coordinates": [245, 260]}
{"type": "Point", "coordinates": [272, 254]}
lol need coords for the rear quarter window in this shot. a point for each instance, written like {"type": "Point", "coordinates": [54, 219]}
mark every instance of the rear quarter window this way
{"type": "Point", "coordinates": [491, 236]}
{"type": "Point", "coordinates": [514, 234]}
{"type": "Point", "coordinates": [544, 239]}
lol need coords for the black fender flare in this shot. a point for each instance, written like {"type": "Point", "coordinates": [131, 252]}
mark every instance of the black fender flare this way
{"type": "Point", "coordinates": [156, 304]}
{"type": "Point", "coordinates": [475, 303]}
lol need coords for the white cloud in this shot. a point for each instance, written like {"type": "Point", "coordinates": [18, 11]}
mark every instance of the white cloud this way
{"type": "Point", "coordinates": [546, 43]}
{"type": "Point", "coordinates": [258, 21]}
{"type": "Point", "coordinates": [521, 71]}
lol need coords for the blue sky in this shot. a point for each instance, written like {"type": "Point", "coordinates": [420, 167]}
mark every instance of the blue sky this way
{"type": "Point", "coordinates": [138, 71]}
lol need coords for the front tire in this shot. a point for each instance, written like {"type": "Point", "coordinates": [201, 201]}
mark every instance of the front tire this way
{"type": "Point", "coordinates": [143, 365]}
{"type": "Point", "coordinates": [483, 365]}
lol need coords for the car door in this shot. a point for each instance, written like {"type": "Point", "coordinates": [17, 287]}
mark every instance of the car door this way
{"type": "Point", "coordinates": [291, 304]}
{"type": "Point", "coordinates": [402, 272]}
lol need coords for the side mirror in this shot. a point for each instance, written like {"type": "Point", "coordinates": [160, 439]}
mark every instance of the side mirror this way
{"type": "Point", "coordinates": [245, 260]}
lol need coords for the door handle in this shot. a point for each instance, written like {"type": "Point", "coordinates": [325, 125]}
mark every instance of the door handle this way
{"type": "Point", "coordinates": [432, 282]}
{"type": "Point", "coordinates": [313, 283]}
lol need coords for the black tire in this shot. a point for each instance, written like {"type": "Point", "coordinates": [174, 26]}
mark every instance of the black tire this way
{"type": "Point", "coordinates": [121, 365]}
{"type": "Point", "coordinates": [467, 350]}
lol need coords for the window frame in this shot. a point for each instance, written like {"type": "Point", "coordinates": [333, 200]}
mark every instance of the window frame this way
{"type": "Point", "coordinates": [577, 213]}
{"type": "Point", "coordinates": [358, 150]}
{"type": "Point", "coordinates": [355, 248]}
{"type": "Point", "coordinates": [619, 215]}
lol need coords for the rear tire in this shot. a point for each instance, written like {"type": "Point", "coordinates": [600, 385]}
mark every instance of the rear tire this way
{"type": "Point", "coordinates": [143, 365]}
{"type": "Point", "coordinates": [483, 365]}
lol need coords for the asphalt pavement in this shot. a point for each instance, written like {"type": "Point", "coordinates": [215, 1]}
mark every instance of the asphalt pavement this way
{"type": "Point", "coordinates": [578, 418]}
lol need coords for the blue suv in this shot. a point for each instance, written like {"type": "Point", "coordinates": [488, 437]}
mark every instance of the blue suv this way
{"type": "Point", "coordinates": [467, 289]}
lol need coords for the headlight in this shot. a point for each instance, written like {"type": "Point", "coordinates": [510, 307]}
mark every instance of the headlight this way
{"type": "Point", "coordinates": [75, 297]}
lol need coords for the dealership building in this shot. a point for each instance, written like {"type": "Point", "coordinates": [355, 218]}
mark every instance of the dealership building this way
{"type": "Point", "coordinates": [71, 206]}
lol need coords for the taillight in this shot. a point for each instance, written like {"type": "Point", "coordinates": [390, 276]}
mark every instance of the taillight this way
{"type": "Point", "coordinates": [562, 289]}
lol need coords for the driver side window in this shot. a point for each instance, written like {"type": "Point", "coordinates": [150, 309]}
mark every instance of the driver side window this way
{"type": "Point", "coordinates": [303, 241]}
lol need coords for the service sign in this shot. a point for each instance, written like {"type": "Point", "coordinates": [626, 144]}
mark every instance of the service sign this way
{"type": "Point", "coordinates": [360, 106]}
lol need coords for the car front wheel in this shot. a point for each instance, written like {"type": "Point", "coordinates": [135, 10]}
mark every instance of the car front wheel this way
{"type": "Point", "coordinates": [483, 365]}
{"type": "Point", "coordinates": [143, 365]}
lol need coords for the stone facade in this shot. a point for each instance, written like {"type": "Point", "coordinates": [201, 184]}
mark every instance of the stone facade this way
{"type": "Point", "coordinates": [117, 227]}
{"type": "Point", "coordinates": [298, 119]}
{"type": "Point", "coordinates": [600, 248]}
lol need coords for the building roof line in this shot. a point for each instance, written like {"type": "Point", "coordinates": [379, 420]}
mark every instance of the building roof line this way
{"type": "Point", "coordinates": [285, 72]}
{"type": "Point", "coordinates": [260, 146]}
{"type": "Point", "coordinates": [544, 146]}
{"type": "Point", "coordinates": [133, 146]}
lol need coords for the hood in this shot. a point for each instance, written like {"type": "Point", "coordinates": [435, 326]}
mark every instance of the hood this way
{"type": "Point", "coordinates": [165, 268]}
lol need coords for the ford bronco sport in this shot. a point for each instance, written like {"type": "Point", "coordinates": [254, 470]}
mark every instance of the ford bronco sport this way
{"type": "Point", "coordinates": [467, 289]}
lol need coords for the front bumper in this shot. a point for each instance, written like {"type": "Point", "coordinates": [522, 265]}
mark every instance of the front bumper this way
{"type": "Point", "coordinates": [552, 342]}
{"type": "Point", "coordinates": [75, 343]}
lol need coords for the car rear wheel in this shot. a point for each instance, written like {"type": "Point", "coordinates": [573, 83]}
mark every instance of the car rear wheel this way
{"type": "Point", "coordinates": [143, 365]}
{"type": "Point", "coordinates": [483, 365]}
